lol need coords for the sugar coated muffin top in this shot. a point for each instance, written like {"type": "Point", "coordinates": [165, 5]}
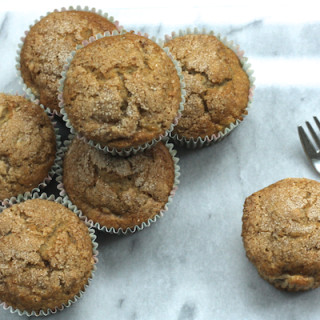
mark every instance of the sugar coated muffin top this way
{"type": "Point", "coordinates": [115, 191]}
{"type": "Point", "coordinates": [47, 46]}
{"type": "Point", "coordinates": [281, 231]}
{"type": "Point", "coordinates": [217, 88]}
{"type": "Point", "coordinates": [122, 91]}
{"type": "Point", "coordinates": [27, 145]}
{"type": "Point", "coordinates": [46, 255]}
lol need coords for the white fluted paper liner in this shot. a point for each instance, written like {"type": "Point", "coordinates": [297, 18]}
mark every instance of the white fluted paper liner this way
{"type": "Point", "coordinates": [58, 155]}
{"type": "Point", "coordinates": [125, 151]}
{"type": "Point", "coordinates": [25, 88]}
{"type": "Point", "coordinates": [144, 224]}
{"type": "Point", "coordinates": [55, 165]}
{"type": "Point", "coordinates": [65, 202]}
{"type": "Point", "coordinates": [208, 140]}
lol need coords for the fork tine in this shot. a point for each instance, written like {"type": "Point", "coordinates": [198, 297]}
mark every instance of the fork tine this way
{"type": "Point", "coordinates": [306, 143]}
{"type": "Point", "coordinates": [314, 135]}
{"type": "Point", "coordinates": [317, 122]}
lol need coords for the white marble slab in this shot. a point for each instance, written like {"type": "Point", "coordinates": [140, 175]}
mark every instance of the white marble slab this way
{"type": "Point", "coordinates": [191, 264]}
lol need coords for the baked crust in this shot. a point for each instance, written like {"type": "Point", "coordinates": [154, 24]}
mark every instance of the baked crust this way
{"type": "Point", "coordinates": [281, 231]}
{"type": "Point", "coordinates": [47, 46]}
{"type": "Point", "coordinates": [122, 91]}
{"type": "Point", "coordinates": [115, 191]}
{"type": "Point", "coordinates": [27, 145]}
{"type": "Point", "coordinates": [217, 88]}
{"type": "Point", "coordinates": [46, 255]}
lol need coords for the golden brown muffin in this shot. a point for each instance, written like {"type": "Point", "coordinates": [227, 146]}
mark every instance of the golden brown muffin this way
{"type": "Point", "coordinates": [46, 255]}
{"type": "Point", "coordinates": [27, 145]}
{"type": "Point", "coordinates": [47, 46]}
{"type": "Point", "coordinates": [122, 91]}
{"type": "Point", "coordinates": [217, 88]}
{"type": "Point", "coordinates": [281, 232]}
{"type": "Point", "coordinates": [114, 191]}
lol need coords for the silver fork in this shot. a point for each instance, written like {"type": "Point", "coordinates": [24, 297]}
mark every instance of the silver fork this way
{"type": "Point", "coordinates": [312, 153]}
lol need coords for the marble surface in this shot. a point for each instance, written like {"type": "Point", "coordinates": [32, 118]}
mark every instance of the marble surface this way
{"type": "Point", "coordinates": [191, 264]}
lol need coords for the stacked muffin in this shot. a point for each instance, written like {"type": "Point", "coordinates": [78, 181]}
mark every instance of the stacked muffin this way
{"type": "Point", "coordinates": [121, 94]}
{"type": "Point", "coordinates": [120, 194]}
{"type": "Point", "coordinates": [219, 86]}
{"type": "Point", "coordinates": [27, 146]}
{"type": "Point", "coordinates": [47, 46]}
{"type": "Point", "coordinates": [47, 257]}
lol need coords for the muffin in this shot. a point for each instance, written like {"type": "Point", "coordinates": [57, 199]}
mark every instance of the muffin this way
{"type": "Point", "coordinates": [121, 91]}
{"type": "Point", "coordinates": [217, 87]}
{"type": "Point", "coordinates": [281, 233]}
{"type": "Point", "coordinates": [46, 256]}
{"type": "Point", "coordinates": [27, 145]}
{"type": "Point", "coordinates": [47, 46]}
{"type": "Point", "coordinates": [119, 193]}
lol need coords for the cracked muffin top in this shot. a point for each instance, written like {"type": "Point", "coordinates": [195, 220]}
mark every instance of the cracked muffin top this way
{"type": "Point", "coordinates": [121, 91]}
{"type": "Point", "coordinates": [46, 255]}
{"type": "Point", "coordinates": [217, 88]}
{"type": "Point", "coordinates": [115, 191]}
{"type": "Point", "coordinates": [281, 232]}
{"type": "Point", "coordinates": [47, 46]}
{"type": "Point", "coordinates": [27, 145]}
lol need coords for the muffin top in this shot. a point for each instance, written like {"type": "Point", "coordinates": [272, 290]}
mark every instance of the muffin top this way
{"type": "Point", "coordinates": [281, 232]}
{"type": "Point", "coordinates": [115, 191]}
{"type": "Point", "coordinates": [217, 88]}
{"type": "Point", "coordinates": [27, 145]}
{"type": "Point", "coordinates": [46, 255]}
{"type": "Point", "coordinates": [121, 91]}
{"type": "Point", "coordinates": [47, 46]}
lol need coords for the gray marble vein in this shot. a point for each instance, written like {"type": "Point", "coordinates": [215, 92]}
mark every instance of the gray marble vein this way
{"type": "Point", "coordinates": [4, 26]}
{"type": "Point", "coordinates": [251, 24]}
{"type": "Point", "coordinates": [187, 312]}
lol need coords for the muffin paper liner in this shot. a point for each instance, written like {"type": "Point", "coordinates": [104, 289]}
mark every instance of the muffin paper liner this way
{"type": "Point", "coordinates": [199, 142]}
{"type": "Point", "coordinates": [26, 196]}
{"type": "Point", "coordinates": [121, 231]}
{"type": "Point", "coordinates": [25, 88]}
{"type": "Point", "coordinates": [55, 165]}
{"type": "Point", "coordinates": [125, 151]}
